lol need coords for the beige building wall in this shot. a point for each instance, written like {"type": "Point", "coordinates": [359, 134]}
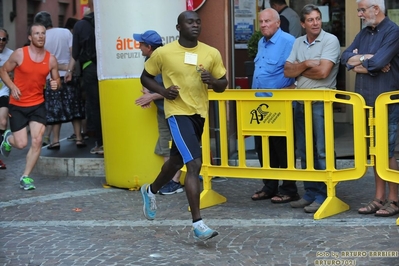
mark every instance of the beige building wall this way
{"type": "Point", "coordinates": [215, 17]}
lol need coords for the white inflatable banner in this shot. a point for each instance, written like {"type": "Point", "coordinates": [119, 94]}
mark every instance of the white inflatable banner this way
{"type": "Point", "coordinates": [118, 54]}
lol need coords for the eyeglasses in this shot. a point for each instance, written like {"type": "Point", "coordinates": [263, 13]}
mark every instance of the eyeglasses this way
{"type": "Point", "coordinates": [3, 39]}
{"type": "Point", "coordinates": [362, 10]}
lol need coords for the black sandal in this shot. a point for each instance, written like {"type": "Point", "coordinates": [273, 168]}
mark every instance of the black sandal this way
{"type": "Point", "coordinates": [80, 143]}
{"type": "Point", "coordinates": [261, 195]}
{"type": "Point", "coordinates": [279, 198]}
{"type": "Point", "coordinates": [54, 146]}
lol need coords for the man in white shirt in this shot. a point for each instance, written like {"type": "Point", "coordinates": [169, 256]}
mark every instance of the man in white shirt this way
{"type": "Point", "coordinates": [66, 104]}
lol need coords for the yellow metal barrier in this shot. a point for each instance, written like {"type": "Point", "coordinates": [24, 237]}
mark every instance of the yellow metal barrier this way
{"type": "Point", "coordinates": [273, 116]}
{"type": "Point", "coordinates": [381, 147]}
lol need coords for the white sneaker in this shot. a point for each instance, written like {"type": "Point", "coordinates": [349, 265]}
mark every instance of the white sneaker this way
{"type": "Point", "coordinates": [203, 232]}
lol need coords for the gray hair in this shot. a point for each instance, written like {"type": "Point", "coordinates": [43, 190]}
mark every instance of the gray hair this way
{"type": "Point", "coordinates": [379, 3]}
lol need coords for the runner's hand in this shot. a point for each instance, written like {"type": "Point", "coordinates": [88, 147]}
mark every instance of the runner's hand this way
{"type": "Point", "coordinates": [171, 93]}
{"type": "Point", "coordinates": [53, 84]}
{"type": "Point", "coordinates": [16, 93]}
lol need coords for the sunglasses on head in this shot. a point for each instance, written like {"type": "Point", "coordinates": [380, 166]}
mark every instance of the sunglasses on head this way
{"type": "Point", "coordinates": [3, 39]}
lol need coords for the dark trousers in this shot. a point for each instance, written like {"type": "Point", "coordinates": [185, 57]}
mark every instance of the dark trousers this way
{"type": "Point", "coordinates": [91, 88]}
{"type": "Point", "coordinates": [278, 159]}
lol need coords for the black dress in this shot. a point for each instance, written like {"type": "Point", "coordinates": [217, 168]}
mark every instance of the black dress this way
{"type": "Point", "coordinates": [66, 103]}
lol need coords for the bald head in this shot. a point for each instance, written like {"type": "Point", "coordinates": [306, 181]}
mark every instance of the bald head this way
{"type": "Point", "coordinates": [269, 22]}
{"type": "Point", "coordinates": [185, 14]}
{"type": "Point", "coordinates": [271, 13]}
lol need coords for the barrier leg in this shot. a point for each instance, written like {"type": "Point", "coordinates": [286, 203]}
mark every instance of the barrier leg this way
{"type": "Point", "coordinates": [209, 198]}
{"type": "Point", "coordinates": [332, 205]}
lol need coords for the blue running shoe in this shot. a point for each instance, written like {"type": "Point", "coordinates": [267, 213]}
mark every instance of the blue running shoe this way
{"type": "Point", "coordinates": [203, 232]}
{"type": "Point", "coordinates": [170, 188]}
{"type": "Point", "coordinates": [26, 183]}
{"type": "Point", "coordinates": [150, 204]}
{"type": "Point", "coordinates": [5, 147]}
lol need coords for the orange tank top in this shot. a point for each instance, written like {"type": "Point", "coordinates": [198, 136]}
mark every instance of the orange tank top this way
{"type": "Point", "coordinates": [30, 78]}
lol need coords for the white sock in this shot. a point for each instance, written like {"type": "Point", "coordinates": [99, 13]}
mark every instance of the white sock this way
{"type": "Point", "coordinates": [22, 177]}
{"type": "Point", "coordinates": [198, 223]}
{"type": "Point", "coordinates": [150, 194]}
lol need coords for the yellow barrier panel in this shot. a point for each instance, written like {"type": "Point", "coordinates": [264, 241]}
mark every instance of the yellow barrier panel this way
{"type": "Point", "coordinates": [381, 146]}
{"type": "Point", "coordinates": [272, 116]}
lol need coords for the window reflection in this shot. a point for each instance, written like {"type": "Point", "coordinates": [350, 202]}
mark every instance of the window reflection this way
{"type": "Point", "coordinates": [333, 15]}
{"type": "Point", "coordinates": [392, 8]}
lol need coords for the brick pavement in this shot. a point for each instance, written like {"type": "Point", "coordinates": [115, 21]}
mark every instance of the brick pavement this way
{"type": "Point", "coordinates": [42, 227]}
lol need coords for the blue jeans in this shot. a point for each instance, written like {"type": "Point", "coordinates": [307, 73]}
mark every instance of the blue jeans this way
{"type": "Point", "coordinates": [393, 119]}
{"type": "Point", "coordinates": [314, 191]}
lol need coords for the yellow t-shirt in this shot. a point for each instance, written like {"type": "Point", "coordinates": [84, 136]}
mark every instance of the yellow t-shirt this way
{"type": "Point", "coordinates": [169, 61]}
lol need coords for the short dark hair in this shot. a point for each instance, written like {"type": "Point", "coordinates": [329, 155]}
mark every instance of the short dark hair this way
{"type": "Point", "coordinates": [307, 9]}
{"type": "Point", "coordinates": [156, 46]}
{"type": "Point", "coordinates": [70, 23]}
{"type": "Point", "coordinates": [153, 47]}
{"type": "Point", "coordinates": [44, 18]}
{"type": "Point", "coordinates": [278, 2]}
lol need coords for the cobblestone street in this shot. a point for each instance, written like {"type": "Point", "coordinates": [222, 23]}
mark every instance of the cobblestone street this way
{"type": "Point", "coordinates": [76, 221]}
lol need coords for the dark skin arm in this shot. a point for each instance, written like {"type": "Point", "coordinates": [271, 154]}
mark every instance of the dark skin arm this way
{"type": "Point", "coordinates": [218, 85]}
{"type": "Point", "coordinates": [150, 83]}
{"type": "Point", "coordinates": [171, 93]}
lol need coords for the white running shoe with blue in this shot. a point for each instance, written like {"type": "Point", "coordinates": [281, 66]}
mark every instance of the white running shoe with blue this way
{"type": "Point", "coordinates": [203, 232]}
{"type": "Point", "coordinates": [150, 204]}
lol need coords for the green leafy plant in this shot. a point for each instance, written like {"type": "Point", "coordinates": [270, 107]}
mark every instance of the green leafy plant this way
{"type": "Point", "coordinates": [253, 44]}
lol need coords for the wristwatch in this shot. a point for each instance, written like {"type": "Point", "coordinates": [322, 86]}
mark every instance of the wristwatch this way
{"type": "Point", "coordinates": [361, 59]}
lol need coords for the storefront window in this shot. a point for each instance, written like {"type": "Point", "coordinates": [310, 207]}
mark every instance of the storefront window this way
{"type": "Point", "coordinates": [392, 8]}
{"type": "Point", "coordinates": [333, 15]}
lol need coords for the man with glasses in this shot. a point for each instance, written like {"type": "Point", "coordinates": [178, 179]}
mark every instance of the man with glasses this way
{"type": "Point", "coordinates": [362, 10]}
{"type": "Point", "coordinates": [5, 53]}
{"type": "Point", "coordinates": [314, 62]}
{"type": "Point", "coordinates": [373, 56]}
